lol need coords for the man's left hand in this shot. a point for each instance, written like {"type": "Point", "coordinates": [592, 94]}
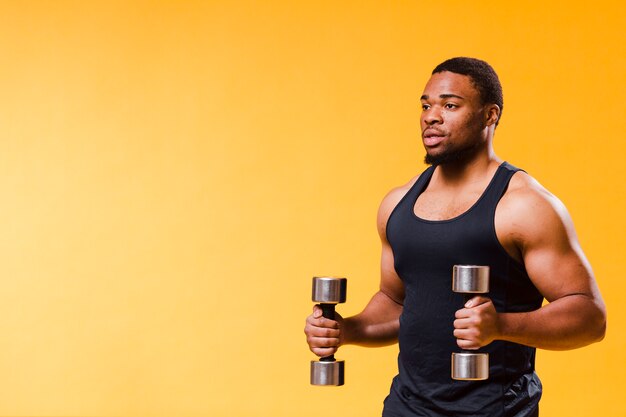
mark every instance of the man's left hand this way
{"type": "Point", "coordinates": [477, 324]}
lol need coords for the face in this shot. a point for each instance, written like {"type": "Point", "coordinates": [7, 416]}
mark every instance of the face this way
{"type": "Point", "coordinates": [455, 124]}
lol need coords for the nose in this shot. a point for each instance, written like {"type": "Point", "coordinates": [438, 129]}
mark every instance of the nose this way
{"type": "Point", "coordinates": [432, 116]}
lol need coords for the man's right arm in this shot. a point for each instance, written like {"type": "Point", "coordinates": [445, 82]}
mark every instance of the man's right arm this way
{"type": "Point", "coordinates": [378, 323]}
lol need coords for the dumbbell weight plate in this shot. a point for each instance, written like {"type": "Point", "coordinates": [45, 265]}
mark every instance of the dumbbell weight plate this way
{"type": "Point", "coordinates": [470, 366]}
{"type": "Point", "coordinates": [327, 373]}
{"type": "Point", "coordinates": [470, 279]}
{"type": "Point", "coordinates": [330, 290]}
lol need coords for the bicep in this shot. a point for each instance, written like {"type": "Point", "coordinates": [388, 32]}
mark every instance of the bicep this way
{"type": "Point", "coordinates": [552, 255]}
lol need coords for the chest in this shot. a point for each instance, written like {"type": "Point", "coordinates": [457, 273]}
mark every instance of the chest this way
{"type": "Point", "coordinates": [437, 205]}
{"type": "Point", "coordinates": [440, 205]}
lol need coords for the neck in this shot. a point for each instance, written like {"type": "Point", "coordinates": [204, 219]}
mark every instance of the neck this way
{"type": "Point", "coordinates": [475, 169]}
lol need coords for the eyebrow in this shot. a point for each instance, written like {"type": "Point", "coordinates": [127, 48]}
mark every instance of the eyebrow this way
{"type": "Point", "coordinates": [444, 96]}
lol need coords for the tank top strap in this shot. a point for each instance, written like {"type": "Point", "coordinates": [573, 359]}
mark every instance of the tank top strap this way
{"type": "Point", "coordinates": [420, 185]}
{"type": "Point", "coordinates": [499, 185]}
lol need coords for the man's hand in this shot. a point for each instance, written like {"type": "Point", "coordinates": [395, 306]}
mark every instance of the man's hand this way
{"type": "Point", "coordinates": [323, 335]}
{"type": "Point", "coordinates": [477, 324]}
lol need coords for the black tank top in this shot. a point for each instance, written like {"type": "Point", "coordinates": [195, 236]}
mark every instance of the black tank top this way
{"type": "Point", "coordinates": [424, 254]}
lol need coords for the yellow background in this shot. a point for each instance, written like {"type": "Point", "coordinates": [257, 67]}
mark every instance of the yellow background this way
{"type": "Point", "coordinates": [173, 173]}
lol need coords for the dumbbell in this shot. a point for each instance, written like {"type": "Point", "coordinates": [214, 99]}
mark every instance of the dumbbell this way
{"type": "Point", "coordinates": [328, 291]}
{"type": "Point", "coordinates": [470, 280]}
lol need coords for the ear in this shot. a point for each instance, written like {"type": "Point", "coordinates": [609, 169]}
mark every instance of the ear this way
{"type": "Point", "coordinates": [492, 114]}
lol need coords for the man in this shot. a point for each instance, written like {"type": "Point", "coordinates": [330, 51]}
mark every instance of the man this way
{"type": "Point", "coordinates": [470, 207]}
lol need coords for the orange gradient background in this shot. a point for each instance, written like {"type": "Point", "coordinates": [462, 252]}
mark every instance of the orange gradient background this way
{"type": "Point", "coordinates": [173, 173]}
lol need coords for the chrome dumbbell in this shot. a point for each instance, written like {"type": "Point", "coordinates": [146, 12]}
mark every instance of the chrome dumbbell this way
{"type": "Point", "coordinates": [470, 280]}
{"type": "Point", "coordinates": [328, 292]}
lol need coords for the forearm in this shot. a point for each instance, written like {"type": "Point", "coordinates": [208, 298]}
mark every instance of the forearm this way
{"type": "Point", "coordinates": [376, 325]}
{"type": "Point", "coordinates": [567, 323]}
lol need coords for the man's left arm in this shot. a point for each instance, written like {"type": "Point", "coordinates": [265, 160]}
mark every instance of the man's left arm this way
{"type": "Point", "coordinates": [575, 315]}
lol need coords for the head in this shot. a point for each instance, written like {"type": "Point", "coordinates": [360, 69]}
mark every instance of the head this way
{"type": "Point", "coordinates": [482, 75]}
{"type": "Point", "coordinates": [461, 106]}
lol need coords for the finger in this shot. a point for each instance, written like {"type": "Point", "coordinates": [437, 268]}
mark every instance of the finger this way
{"type": "Point", "coordinates": [465, 334]}
{"type": "Point", "coordinates": [318, 314]}
{"type": "Point", "coordinates": [467, 344]}
{"type": "Point", "coordinates": [463, 313]}
{"type": "Point", "coordinates": [323, 352]}
{"type": "Point", "coordinates": [463, 323]}
{"type": "Point", "coordinates": [323, 332]}
{"type": "Point", "coordinates": [476, 301]}
{"type": "Point", "coordinates": [322, 322]}
{"type": "Point", "coordinates": [323, 342]}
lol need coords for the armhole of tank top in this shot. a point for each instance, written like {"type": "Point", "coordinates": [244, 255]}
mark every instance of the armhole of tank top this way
{"type": "Point", "coordinates": [511, 260]}
{"type": "Point", "coordinates": [404, 197]}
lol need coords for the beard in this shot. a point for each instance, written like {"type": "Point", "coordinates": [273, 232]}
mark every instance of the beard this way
{"type": "Point", "coordinates": [459, 155]}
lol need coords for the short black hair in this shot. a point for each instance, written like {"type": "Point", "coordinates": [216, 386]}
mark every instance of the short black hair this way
{"type": "Point", "coordinates": [482, 75]}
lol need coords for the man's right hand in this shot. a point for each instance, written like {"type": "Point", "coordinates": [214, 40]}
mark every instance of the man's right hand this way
{"type": "Point", "coordinates": [323, 335]}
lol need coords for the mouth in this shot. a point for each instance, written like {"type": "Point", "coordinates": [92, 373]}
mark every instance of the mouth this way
{"type": "Point", "coordinates": [432, 137]}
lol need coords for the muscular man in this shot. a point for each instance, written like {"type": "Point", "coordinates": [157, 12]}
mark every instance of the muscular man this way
{"type": "Point", "coordinates": [470, 207]}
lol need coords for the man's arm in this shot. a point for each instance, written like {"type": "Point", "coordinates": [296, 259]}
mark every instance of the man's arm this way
{"type": "Point", "coordinates": [378, 323]}
{"type": "Point", "coordinates": [536, 228]}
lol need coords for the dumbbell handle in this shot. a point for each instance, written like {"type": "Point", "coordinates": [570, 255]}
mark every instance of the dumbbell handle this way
{"type": "Point", "coordinates": [328, 312]}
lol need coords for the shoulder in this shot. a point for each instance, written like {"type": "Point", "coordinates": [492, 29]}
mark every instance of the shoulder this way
{"type": "Point", "coordinates": [390, 201]}
{"type": "Point", "coordinates": [526, 195]}
{"type": "Point", "coordinates": [532, 213]}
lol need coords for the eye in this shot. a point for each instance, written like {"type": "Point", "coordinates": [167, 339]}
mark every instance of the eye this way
{"type": "Point", "coordinates": [450, 106]}
{"type": "Point", "coordinates": [425, 107]}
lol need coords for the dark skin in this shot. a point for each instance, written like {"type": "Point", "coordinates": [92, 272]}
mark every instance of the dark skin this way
{"type": "Point", "coordinates": [531, 224]}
